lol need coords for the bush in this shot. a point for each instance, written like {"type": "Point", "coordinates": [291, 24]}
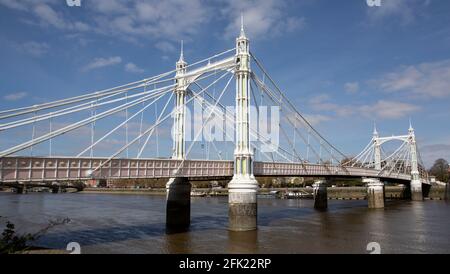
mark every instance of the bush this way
{"type": "Point", "coordinates": [10, 242]}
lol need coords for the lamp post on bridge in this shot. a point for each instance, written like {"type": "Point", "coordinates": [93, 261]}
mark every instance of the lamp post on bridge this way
{"type": "Point", "coordinates": [243, 187]}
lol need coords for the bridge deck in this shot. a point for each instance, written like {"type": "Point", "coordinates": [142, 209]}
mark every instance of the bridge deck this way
{"type": "Point", "coordinates": [40, 169]}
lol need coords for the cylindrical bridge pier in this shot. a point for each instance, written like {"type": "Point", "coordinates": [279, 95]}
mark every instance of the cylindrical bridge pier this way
{"type": "Point", "coordinates": [320, 195]}
{"type": "Point", "coordinates": [178, 208]}
{"type": "Point", "coordinates": [375, 192]}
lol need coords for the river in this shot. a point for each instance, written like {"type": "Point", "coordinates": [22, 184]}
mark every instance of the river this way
{"type": "Point", "coordinates": [111, 223]}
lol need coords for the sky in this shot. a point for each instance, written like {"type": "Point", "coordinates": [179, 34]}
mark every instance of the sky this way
{"type": "Point", "coordinates": [344, 64]}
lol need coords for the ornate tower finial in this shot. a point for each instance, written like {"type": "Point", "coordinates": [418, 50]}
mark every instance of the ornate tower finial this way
{"type": "Point", "coordinates": [411, 129]}
{"type": "Point", "coordinates": [375, 132]}
{"type": "Point", "coordinates": [242, 25]}
{"type": "Point", "coordinates": [182, 52]}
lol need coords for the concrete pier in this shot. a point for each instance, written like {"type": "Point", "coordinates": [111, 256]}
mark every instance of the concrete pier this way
{"type": "Point", "coordinates": [22, 189]}
{"type": "Point", "coordinates": [416, 190]}
{"type": "Point", "coordinates": [375, 193]}
{"type": "Point", "coordinates": [56, 190]}
{"type": "Point", "coordinates": [178, 208]}
{"type": "Point", "coordinates": [320, 195]}
{"type": "Point", "coordinates": [242, 206]}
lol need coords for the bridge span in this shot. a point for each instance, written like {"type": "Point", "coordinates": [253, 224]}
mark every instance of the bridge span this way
{"type": "Point", "coordinates": [59, 169]}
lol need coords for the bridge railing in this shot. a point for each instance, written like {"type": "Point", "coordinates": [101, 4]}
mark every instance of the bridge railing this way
{"type": "Point", "coordinates": [14, 169]}
{"type": "Point", "coordinates": [27, 169]}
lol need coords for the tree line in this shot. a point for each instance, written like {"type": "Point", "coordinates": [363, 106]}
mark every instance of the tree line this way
{"type": "Point", "coordinates": [440, 170]}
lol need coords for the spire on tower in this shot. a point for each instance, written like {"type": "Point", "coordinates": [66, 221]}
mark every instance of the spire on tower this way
{"type": "Point", "coordinates": [375, 132]}
{"type": "Point", "coordinates": [411, 129]}
{"type": "Point", "coordinates": [242, 25]}
{"type": "Point", "coordinates": [182, 53]}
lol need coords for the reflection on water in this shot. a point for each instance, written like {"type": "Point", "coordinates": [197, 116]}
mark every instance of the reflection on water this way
{"type": "Point", "coordinates": [104, 223]}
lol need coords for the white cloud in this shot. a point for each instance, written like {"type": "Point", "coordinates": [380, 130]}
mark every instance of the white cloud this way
{"type": "Point", "coordinates": [103, 62]}
{"type": "Point", "coordinates": [263, 18]}
{"type": "Point", "coordinates": [46, 15]}
{"type": "Point", "coordinates": [382, 109]}
{"type": "Point", "coordinates": [424, 80]}
{"type": "Point", "coordinates": [33, 48]}
{"type": "Point", "coordinates": [404, 10]}
{"type": "Point", "coordinates": [14, 4]}
{"type": "Point", "coordinates": [165, 46]}
{"type": "Point", "coordinates": [170, 19]}
{"type": "Point", "coordinates": [130, 67]}
{"type": "Point", "coordinates": [352, 87]}
{"type": "Point", "coordinates": [315, 119]}
{"type": "Point", "coordinates": [15, 96]}
{"type": "Point", "coordinates": [49, 16]}
{"type": "Point", "coordinates": [388, 109]}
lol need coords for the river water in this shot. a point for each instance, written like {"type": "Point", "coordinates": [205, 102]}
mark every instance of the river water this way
{"type": "Point", "coordinates": [111, 223]}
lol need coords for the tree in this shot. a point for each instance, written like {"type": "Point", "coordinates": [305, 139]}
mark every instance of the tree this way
{"type": "Point", "coordinates": [440, 170]}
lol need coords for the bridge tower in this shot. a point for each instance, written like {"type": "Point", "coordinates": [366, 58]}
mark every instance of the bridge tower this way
{"type": "Point", "coordinates": [178, 189]}
{"type": "Point", "coordinates": [243, 187]}
{"type": "Point", "coordinates": [180, 98]}
{"type": "Point", "coordinates": [377, 148]}
{"type": "Point", "coordinates": [416, 183]}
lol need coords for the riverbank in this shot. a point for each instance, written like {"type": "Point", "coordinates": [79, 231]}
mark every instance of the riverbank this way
{"type": "Point", "coordinates": [336, 193]}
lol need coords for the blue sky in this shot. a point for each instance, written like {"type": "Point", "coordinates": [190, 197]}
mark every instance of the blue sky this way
{"type": "Point", "coordinates": [344, 64]}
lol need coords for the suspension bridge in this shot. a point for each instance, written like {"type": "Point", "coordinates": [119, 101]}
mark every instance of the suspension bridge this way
{"type": "Point", "coordinates": [126, 130]}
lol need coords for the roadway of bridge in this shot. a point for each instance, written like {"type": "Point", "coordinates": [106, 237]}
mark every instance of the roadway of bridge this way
{"type": "Point", "coordinates": [42, 169]}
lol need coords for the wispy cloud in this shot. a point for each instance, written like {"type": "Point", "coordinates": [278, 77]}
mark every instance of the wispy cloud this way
{"type": "Point", "coordinates": [33, 48]}
{"type": "Point", "coordinates": [44, 14]}
{"type": "Point", "coordinates": [102, 62]}
{"type": "Point", "coordinates": [15, 96]}
{"type": "Point", "coordinates": [131, 67]}
{"type": "Point", "coordinates": [352, 87]}
{"type": "Point", "coordinates": [170, 20]}
{"type": "Point", "coordinates": [316, 119]}
{"type": "Point", "coordinates": [165, 46]}
{"type": "Point", "coordinates": [428, 80]}
{"type": "Point", "coordinates": [404, 10]}
{"type": "Point", "coordinates": [267, 18]}
{"type": "Point", "coordinates": [382, 109]}
{"type": "Point", "coordinates": [388, 109]}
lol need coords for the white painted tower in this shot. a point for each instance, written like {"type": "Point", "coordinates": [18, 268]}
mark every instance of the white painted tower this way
{"type": "Point", "coordinates": [243, 187]}
{"type": "Point", "coordinates": [377, 147]}
{"type": "Point", "coordinates": [179, 119]}
{"type": "Point", "coordinates": [416, 183]}
{"type": "Point", "coordinates": [178, 189]}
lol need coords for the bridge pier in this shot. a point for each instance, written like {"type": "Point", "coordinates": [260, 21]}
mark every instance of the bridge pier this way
{"type": "Point", "coordinates": [416, 190]}
{"type": "Point", "coordinates": [178, 208]}
{"type": "Point", "coordinates": [56, 190]}
{"type": "Point", "coordinates": [242, 205]}
{"type": "Point", "coordinates": [375, 192]}
{"type": "Point", "coordinates": [22, 189]}
{"type": "Point", "coordinates": [320, 195]}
